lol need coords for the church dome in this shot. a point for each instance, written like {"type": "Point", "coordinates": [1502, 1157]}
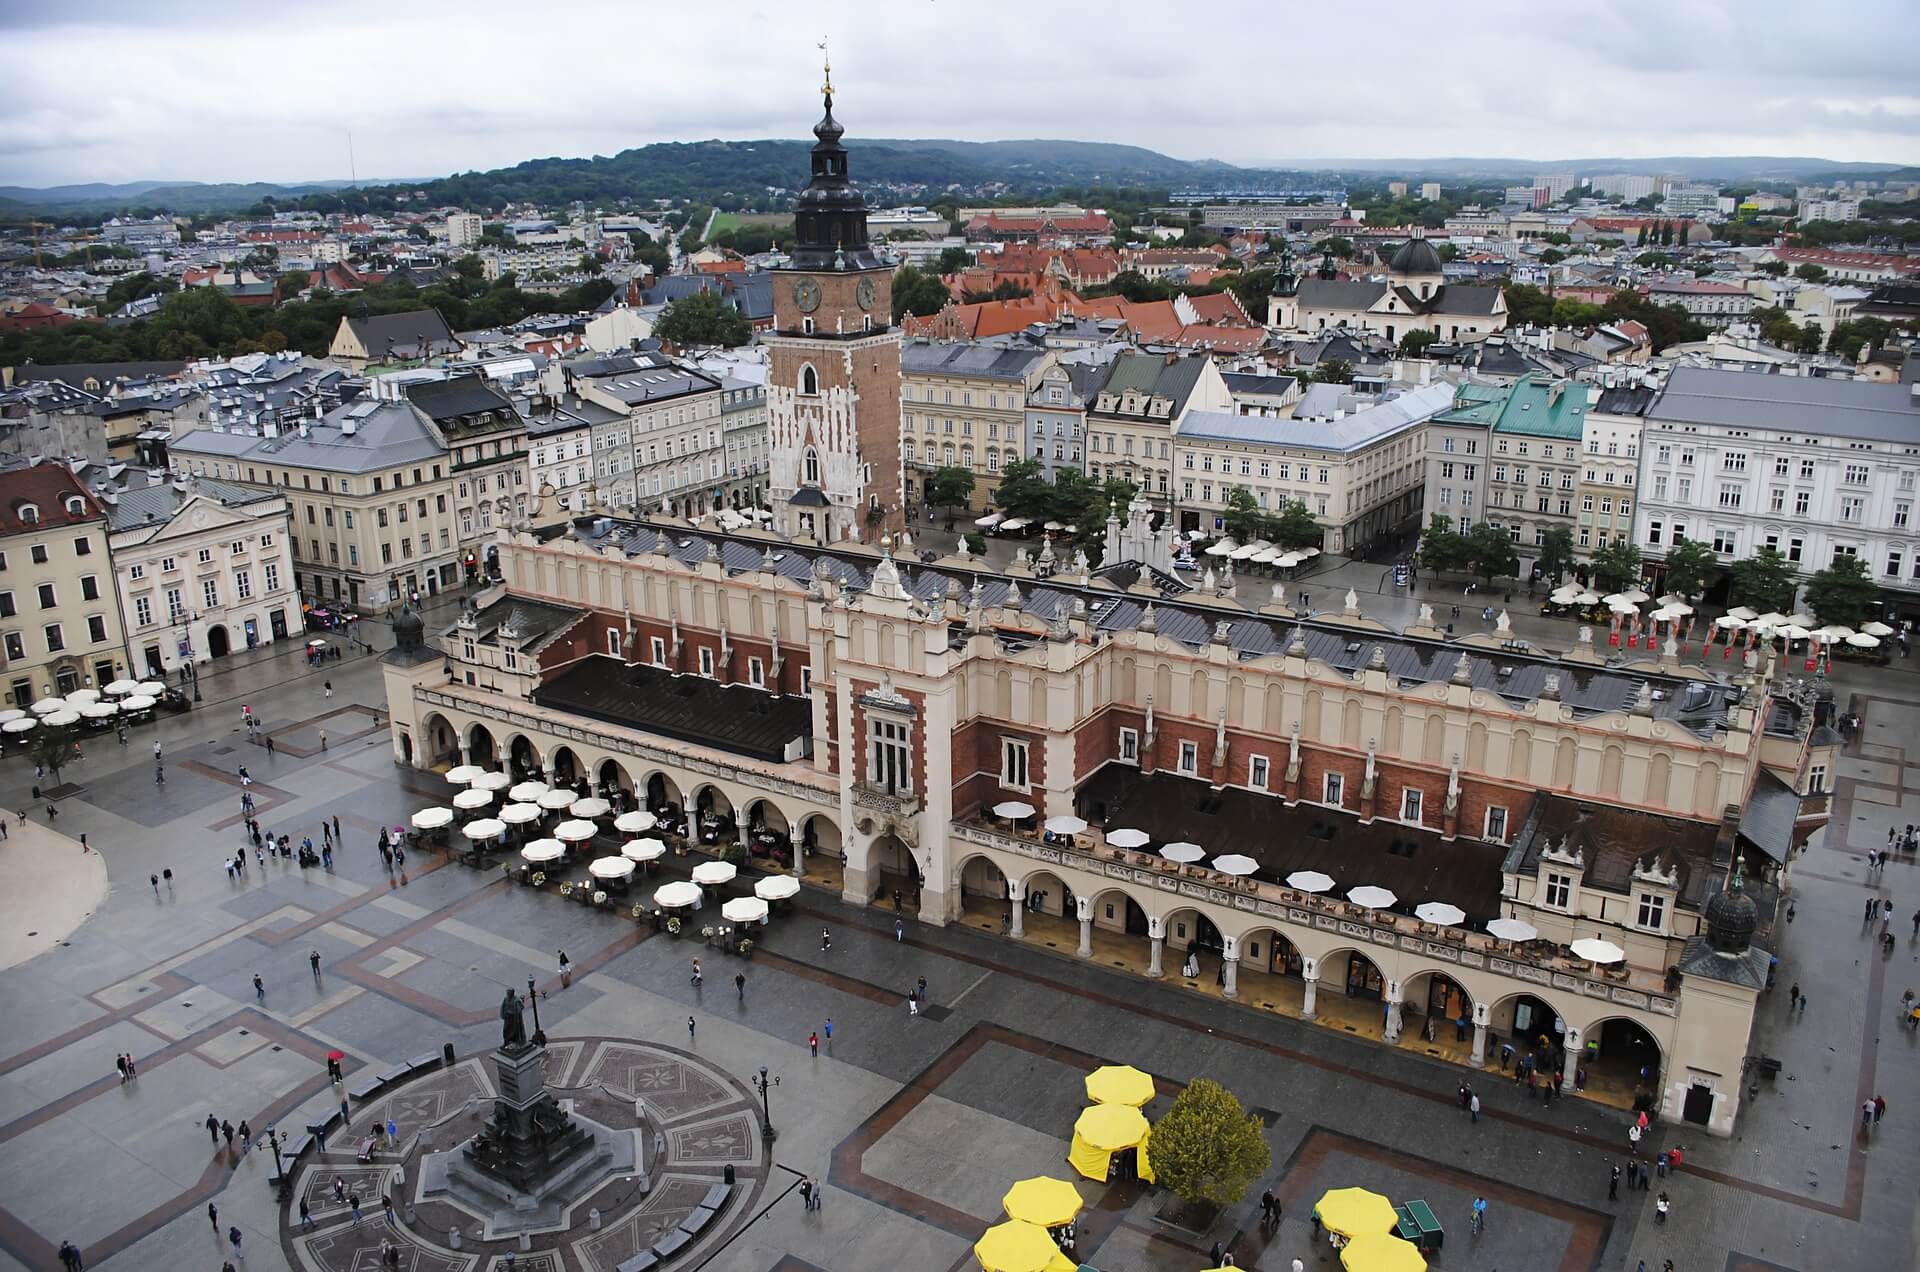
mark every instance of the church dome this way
{"type": "Point", "coordinates": [1415, 256]}
{"type": "Point", "coordinates": [408, 629]}
{"type": "Point", "coordinates": [1731, 919]}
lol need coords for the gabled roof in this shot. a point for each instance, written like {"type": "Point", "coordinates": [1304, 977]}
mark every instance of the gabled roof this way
{"type": "Point", "coordinates": [1800, 403]}
{"type": "Point", "coordinates": [417, 333]}
{"type": "Point", "coordinates": [449, 399]}
{"type": "Point", "coordinates": [46, 487]}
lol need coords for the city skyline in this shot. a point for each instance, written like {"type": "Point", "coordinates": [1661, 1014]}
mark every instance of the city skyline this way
{"type": "Point", "coordinates": [202, 93]}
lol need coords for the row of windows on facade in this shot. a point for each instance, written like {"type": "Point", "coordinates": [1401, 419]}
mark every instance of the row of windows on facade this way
{"type": "Point", "coordinates": [1054, 395]}
{"type": "Point", "coordinates": [55, 637]}
{"type": "Point", "coordinates": [1732, 496]}
{"type": "Point", "coordinates": [657, 654]}
{"type": "Point", "coordinates": [328, 485]}
{"type": "Point", "coordinates": [209, 595]}
{"type": "Point", "coordinates": [1851, 474]}
{"type": "Point", "coordinates": [1727, 543]}
{"type": "Point", "coordinates": [49, 595]}
{"type": "Point", "coordinates": [40, 553]}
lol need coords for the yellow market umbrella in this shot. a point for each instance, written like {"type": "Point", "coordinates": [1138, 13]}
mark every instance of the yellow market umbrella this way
{"type": "Point", "coordinates": [1120, 1084]}
{"type": "Point", "coordinates": [1381, 1252]}
{"type": "Point", "coordinates": [1042, 1200]}
{"type": "Point", "coordinates": [1355, 1212]}
{"type": "Point", "coordinates": [1015, 1246]}
{"type": "Point", "coordinates": [1102, 1131]}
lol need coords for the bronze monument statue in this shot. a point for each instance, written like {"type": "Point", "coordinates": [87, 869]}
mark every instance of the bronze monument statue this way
{"type": "Point", "coordinates": [513, 1031]}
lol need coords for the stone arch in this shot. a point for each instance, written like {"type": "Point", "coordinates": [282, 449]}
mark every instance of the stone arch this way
{"type": "Point", "coordinates": [1270, 949]}
{"type": "Point", "coordinates": [566, 765]}
{"type": "Point", "coordinates": [809, 380]}
{"type": "Point", "coordinates": [1354, 972]}
{"type": "Point", "coordinates": [1521, 764]}
{"type": "Point", "coordinates": [1621, 1052]}
{"type": "Point", "coordinates": [1476, 747]}
{"type": "Point", "coordinates": [820, 834]}
{"type": "Point", "coordinates": [660, 794]}
{"type": "Point", "coordinates": [524, 754]}
{"type": "Point", "coordinates": [1116, 909]}
{"type": "Point", "coordinates": [611, 779]}
{"type": "Point", "coordinates": [1503, 1018]}
{"type": "Point", "coordinates": [1187, 926]}
{"type": "Point", "coordinates": [1350, 724]}
{"type": "Point", "coordinates": [1047, 892]}
{"type": "Point", "coordinates": [1660, 780]}
{"type": "Point", "coordinates": [709, 800]}
{"type": "Point", "coordinates": [1564, 756]}
{"type": "Point", "coordinates": [481, 748]}
{"type": "Point", "coordinates": [1434, 745]}
{"type": "Point", "coordinates": [1707, 789]}
{"type": "Point", "coordinates": [439, 743]}
{"type": "Point", "coordinates": [1037, 701]}
{"type": "Point", "coordinates": [1437, 993]}
{"type": "Point", "coordinates": [1312, 723]}
{"type": "Point", "coordinates": [1275, 708]}
{"type": "Point", "coordinates": [1393, 731]}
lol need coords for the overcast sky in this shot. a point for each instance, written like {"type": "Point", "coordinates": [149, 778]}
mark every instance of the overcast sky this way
{"type": "Point", "coordinates": [219, 90]}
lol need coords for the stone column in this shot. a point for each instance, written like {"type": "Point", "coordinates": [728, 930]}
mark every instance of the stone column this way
{"type": "Point", "coordinates": [1017, 901]}
{"type": "Point", "coordinates": [1157, 933]}
{"type": "Point", "coordinates": [1230, 967]}
{"type": "Point", "coordinates": [1394, 998]}
{"type": "Point", "coordinates": [1574, 1041]}
{"type": "Point", "coordinates": [1083, 910]}
{"type": "Point", "coordinates": [1310, 978]}
{"type": "Point", "coordinates": [466, 753]}
{"type": "Point", "coordinates": [1479, 1057]}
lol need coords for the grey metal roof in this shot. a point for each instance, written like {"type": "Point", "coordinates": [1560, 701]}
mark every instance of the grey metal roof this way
{"type": "Point", "coordinates": [383, 434]}
{"type": "Point", "coordinates": [159, 501]}
{"type": "Point", "coordinates": [1366, 421]}
{"type": "Point", "coordinates": [978, 361]}
{"type": "Point", "coordinates": [1789, 403]}
{"type": "Point", "coordinates": [1768, 819]}
{"type": "Point", "coordinates": [1517, 675]}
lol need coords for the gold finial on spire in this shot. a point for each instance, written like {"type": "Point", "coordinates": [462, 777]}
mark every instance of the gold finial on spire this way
{"type": "Point", "coordinates": [826, 59]}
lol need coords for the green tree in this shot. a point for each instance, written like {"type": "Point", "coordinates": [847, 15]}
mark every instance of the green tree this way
{"type": "Point", "coordinates": [50, 747]}
{"type": "Point", "coordinates": [1490, 552]}
{"type": "Point", "coordinates": [1812, 339]}
{"type": "Point", "coordinates": [918, 293]}
{"type": "Point", "coordinates": [1556, 553]}
{"type": "Point", "coordinates": [1334, 371]}
{"type": "Point", "coordinates": [1766, 581]}
{"type": "Point", "coordinates": [1340, 247]}
{"type": "Point", "coordinates": [1295, 527]}
{"type": "Point", "coordinates": [1691, 565]}
{"type": "Point", "coordinates": [1208, 1150]}
{"type": "Point", "coordinates": [1616, 567]}
{"type": "Point", "coordinates": [293, 282]}
{"type": "Point", "coordinates": [1774, 269]}
{"type": "Point", "coordinates": [1414, 343]}
{"type": "Point", "coordinates": [1527, 305]}
{"type": "Point", "coordinates": [1686, 228]}
{"type": "Point", "coordinates": [1811, 273]}
{"type": "Point", "coordinates": [1552, 256]}
{"type": "Point", "coordinates": [1441, 546]}
{"type": "Point", "coordinates": [1245, 520]}
{"type": "Point", "coordinates": [952, 260]}
{"type": "Point", "coordinates": [949, 488]}
{"type": "Point", "coordinates": [1024, 490]}
{"type": "Point", "coordinates": [1843, 592]}
{"type": "Point", "coordinates": [1642, 240]}
{"type": "Point", "coordinates": [703, 319]}
{"type": "Point", "coordinates": [589, 263]}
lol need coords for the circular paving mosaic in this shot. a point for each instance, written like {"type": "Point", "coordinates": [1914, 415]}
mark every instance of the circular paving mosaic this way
{"type": "Point", "coordinates": [694, 1122]}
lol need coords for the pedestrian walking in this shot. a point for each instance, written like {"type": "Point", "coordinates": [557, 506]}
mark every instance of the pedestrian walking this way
{"type": "Point", "coordinates": [813, 1043]}
{"type": "Point", "coordinates": [1479, 1215]}
{"type": "Point", "coordinates": [70, 1257]}
{"type": "Point", "coordinates": [818, 1194]}
{"type": "Point", "coordinates": [120, 1063]}
{"type": "Point", "coordinates": [329, 688]}
{"type": "Point", "coordinates": [806, 1194]}
{"type": "Point", "coordinates": [740, 985]}
{"type": "Point", "coordinates": [133, 1069]}
{"type": "Point", "coordinates": [213, 1216]}
{"type": "Point", "coordinates": [1473, 1107]}
{"type": "Point", "coordinates": [695, 981]}
{"type": "Point", "coordinates": [899, 930]}
{"type": "Point", "coordinates": [306, 1216]}
{"type": "Point", "coordinates": [923, 988]}
{"type": "Point", "coordinates": [246, 1136]}
{"type": "Point", "coordinates": [226, 1133]}
{"type": "Point", "coordinates": [566, 971]}
{"type": "Point", "coordinates": [1879, 1109]}
{"type": "Point", "coordinates": [269, 745]}
{"type": "Point", "coordinates": [393, 1134]}
{"type": "Point", "coordinates": [313, 959]}
{"type": "Point", "coordinates": [829, 1029]}
{"type": "Point", "coordinates": [1463, 1097]}
{"type": "Point", "coordinates": [1793, 996]}
{"type": "Point", "coordinates": [689, 1029]}
{"type": "Point", "coordinates": [323, 739]}
{"type": "Point", "coordinates": [213, 1129]}
{"type": "Point", "coordinates": [1613, 1184]}
{"type": "Point", "coordinates": [336, 825]}
{"type": "Point", "coordinates": [913, 1005]}
{"type": "Point", "coordinates": [1868, 917]}
{"type": "Point", "coordinates": [159, 776]}
{"type": "Point", "coordinates": [353, 1206]}
{"type": "Point", "coordinates": [826, 940]}
{"type": "Point", "coordinates": [1866, 1116]}
{"type": "Point", "coordinates": [345, 1115]}
{"type": "Point", "coordinates": [259, 986]}
{"type": "Point", "coordinates": [386, 1209]}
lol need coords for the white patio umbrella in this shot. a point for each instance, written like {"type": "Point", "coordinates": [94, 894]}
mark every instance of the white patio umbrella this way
{"type": "Point", "coordinates": [484, 828]}
{"type": "Point", "coordinates": [1013, 810]}
{"type": "Point", "coordinates": [1772, 618]}
{"type": "Point", "coordinates": [590, 807]}
{"type": "Point", "coordinates": [1309, 552]}
{"type": "Point", "coordinates": [1248, 551]}
{"type": "Point", "coordinates": [1741, 611]}
{"type": "Point", "coordinates": [610, 868]}
{"type": "Point", "coordinates": [1128, 838]}
{"type": "Point", "coordinates": [1235, 864]}
{"type": "Point", "coordinates": [643, 850]}
{"type": "Point", "coordinates": [463, 774]}
{"type": "Point", "coordinates": [152, 688]}
{"type": "Point", "coordinates": [1792, 631]}
{"type": "Point", "coordinates": [527, 792]}
{"type": "Point", "coordinates": [1620, 605]}
{"type": "Point", "coordinates": [492, 782]}
{"type": "Point", "coordinates": [81, 697]}
{"type": "Point", "coordinates": [1833, 631]}
{"type": "Point", "coordinates": [1439, 912]}
{"type": "Point", "coordinates": [1287, 560]}
{"type": "Point", "coordinates": [119, 687]}
{"type": "Point", "coordinates": [1728, 623]}
{"type": "Point", "coordinates": [714, 873]}
{"type": "Point", "coordinates": [574, 832]}
{"type": "Point", "coordinates": [106, 710]}
{"type": "Point", "coordinates": [777, 888]}
{"type": "Point", "coordinates": [1182, 852]}
{"type": "Point", "coordinates": [472, 799]}
{"type": "Point", "coordinates": [556, 799]}
{"type": "Point", "coordinates": [744, 910]}
{"type": "Point", "coordinates": [1065, 825]}
{"type": "Point", "coordinates": [1876, 628]}
{"type": "Point", "coordinates": [990, 520]}
{"type": "Point", "coordinates": [1667, 614]}
{"type": "Point", "coordinates": [1859, 640]}
{"type": "Point", "coordinates": [11, 714]}
{"type": "Point", "coordinates": [1310, 881]}
{"type": "Point", "coordinates": [1800, 618]}
{"type": "Point", "coordinates": [138, 702]}
{"type": "Point", "coordinates": [1675, 607]}
{"type": "Point", "coordinates": [1635, 595]}
{"type": "Point", "coordinates": [635, 822]}
{"type": "Point", "coordinates": [520, 814]}
{"type": "Point", "coordinates": [47, 706]}
{"type": "Point", "coordinates": [1587, 598]}
{"type": "Point", "coordinates": [19, 726]}
{"type": "Point", "coordinates": [543, 850]}
{"type": "Point", "coordinates": [1512, 930]}
{"type": "Point", "coordinates": [1226, 547]}
{"type": "Point", "coordinates": [1595, 950]}
{"type": "Point", "coordinates": [1266, 556]}
{"type": "Point", "coordinates": [1371, 897]}
{"type": "Point", "coordinates": [676, 895]}
{"type": "Point", "coordinates": [1565, 595]}
{"type": "Point", "coordinates": [61, 719]}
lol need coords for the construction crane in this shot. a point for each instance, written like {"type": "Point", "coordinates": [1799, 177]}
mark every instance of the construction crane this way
{"type": "Point", "coordinates": [37, 227]}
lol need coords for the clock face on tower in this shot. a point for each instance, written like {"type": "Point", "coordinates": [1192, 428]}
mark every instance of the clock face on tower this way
{"type": "Point", "coordinates": [806, 294]}
{"type": "Point", "coordinates": [864, 293]}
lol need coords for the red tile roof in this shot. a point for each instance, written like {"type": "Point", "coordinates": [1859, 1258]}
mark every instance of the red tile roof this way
{"type": "Point", "coordinates": [46, 488]}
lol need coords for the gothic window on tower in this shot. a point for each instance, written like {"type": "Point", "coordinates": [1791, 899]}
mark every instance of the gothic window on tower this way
{"type": "Point", "coordinates": [810, 462]}
{"type": "Point", "coordinates": [809, 381]}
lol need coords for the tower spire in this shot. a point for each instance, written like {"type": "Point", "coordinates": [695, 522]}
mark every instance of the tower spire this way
{"type": "Point", "coordinates": [826, 62]}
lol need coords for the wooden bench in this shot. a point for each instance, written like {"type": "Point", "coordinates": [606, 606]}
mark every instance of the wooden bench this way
{"type": "Point", "coordinates": [696, 1220]}
{"type": "Point", "coordinates": [367, 1087]}
{"type": "Point", "coordinates": [645, 1261]}
{"type": "Point", "coordinates": [717, 1196]}
{"type": "Point", "coordinates": [421, 1063]}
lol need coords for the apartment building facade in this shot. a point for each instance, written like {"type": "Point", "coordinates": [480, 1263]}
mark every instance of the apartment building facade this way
{"type": "Point", "coordinates": [60, 623]}
{"type": "Point", "coordinates": [964, 405]}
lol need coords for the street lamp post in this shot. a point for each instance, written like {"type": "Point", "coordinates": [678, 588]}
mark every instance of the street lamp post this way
{"type": "Point", "coordinates": [273, 1140]}
{"type": "Point", "coordinates": [763, 1084]}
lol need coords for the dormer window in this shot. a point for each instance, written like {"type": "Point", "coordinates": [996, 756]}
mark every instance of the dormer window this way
{"type": "Point", "coordinates": [29, 514]}
{"type": "Point", "coordinates": [77, 506]}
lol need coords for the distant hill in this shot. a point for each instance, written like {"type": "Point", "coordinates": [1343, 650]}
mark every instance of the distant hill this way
{"type": "Point", "coordinates": [1698, 167]}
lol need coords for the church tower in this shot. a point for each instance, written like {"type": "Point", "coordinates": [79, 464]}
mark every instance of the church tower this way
{"type": "Point", "coordinates": [833, 376]}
